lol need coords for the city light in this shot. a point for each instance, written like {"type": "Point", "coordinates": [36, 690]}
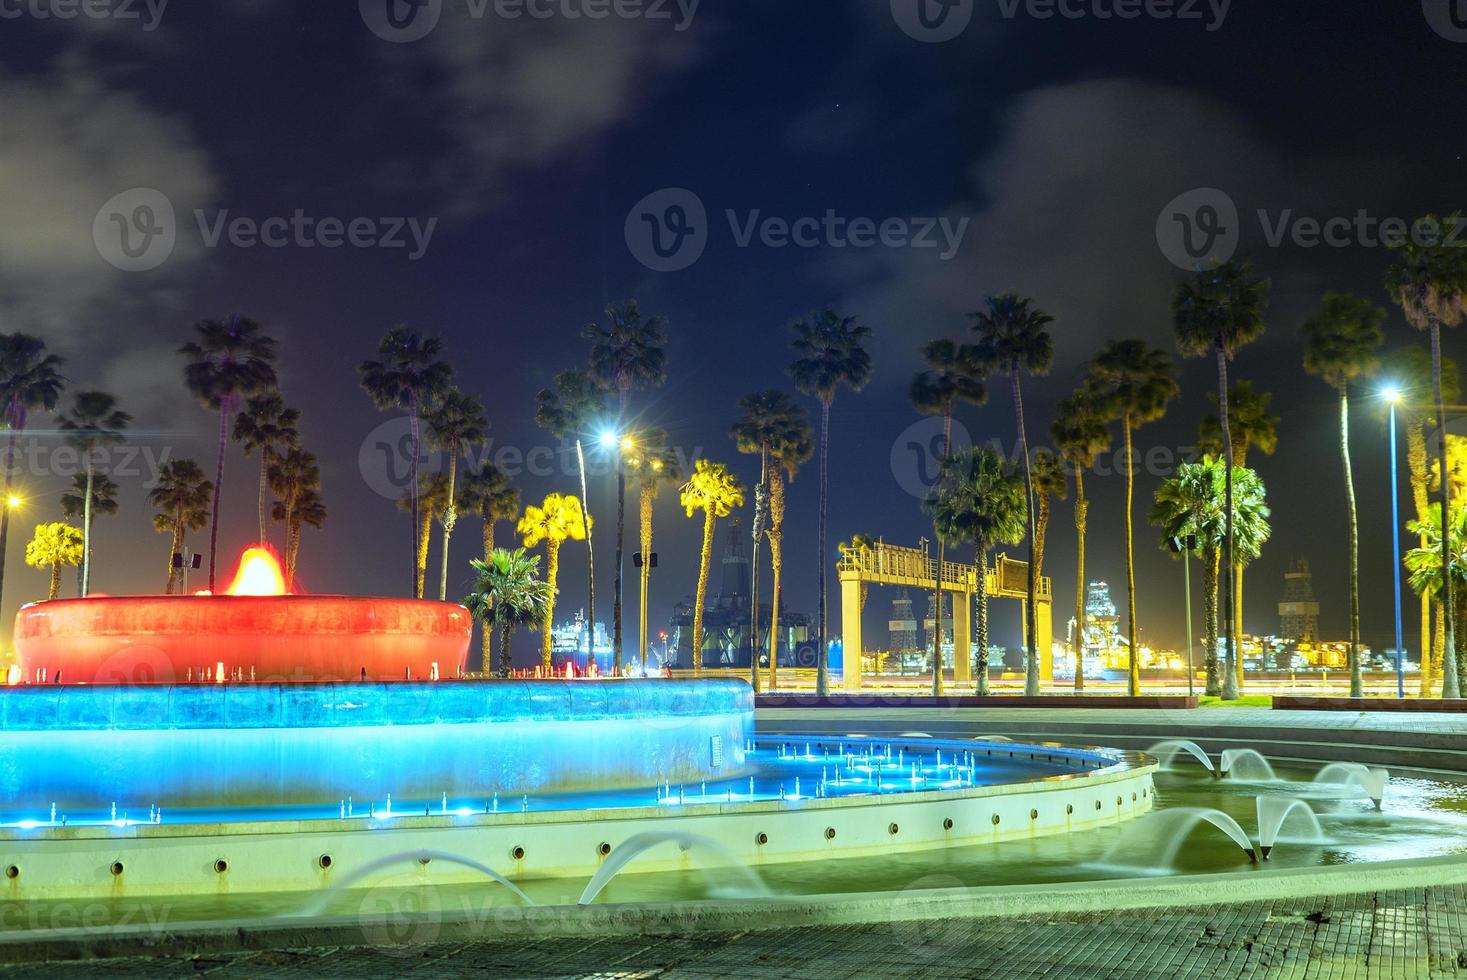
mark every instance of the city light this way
{"type": "Point", "coordinates": [1391, 395]}
{"type": "Point", "coordinates": [13, 502]}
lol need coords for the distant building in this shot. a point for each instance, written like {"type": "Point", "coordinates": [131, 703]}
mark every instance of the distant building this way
{"type": "Point", "coordinates": [902, 627]}
{"type": "Point", "coordinates": [1299, 612]}
{"type": "Point", "coordinates": [1102, 623]}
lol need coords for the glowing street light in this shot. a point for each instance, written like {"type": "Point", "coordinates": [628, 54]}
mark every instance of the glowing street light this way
{"type": "Point", "coordinates": [1392, 396]}
{"type": "Point", "coordinates": [13, 502]}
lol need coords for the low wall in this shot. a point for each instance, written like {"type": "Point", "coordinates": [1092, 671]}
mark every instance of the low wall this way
{"type": "Point", "coordinates": [1158, 701]}
{"type": "Point", "coordinates": [1299, 703]}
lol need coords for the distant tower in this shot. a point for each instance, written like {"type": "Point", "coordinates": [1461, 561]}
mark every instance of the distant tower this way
{"type": "Point", "coordinates": [902, 626]}
{"type": "Point", "coordinates": [735, 566]}
{"type": "Point", "coordinates": [1299, 612]}
{"type": "Point", "coordinates": [1102, 623]}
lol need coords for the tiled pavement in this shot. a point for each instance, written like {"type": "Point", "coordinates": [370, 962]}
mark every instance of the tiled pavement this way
{"type": "Point", "coordinates": [1420, 933]}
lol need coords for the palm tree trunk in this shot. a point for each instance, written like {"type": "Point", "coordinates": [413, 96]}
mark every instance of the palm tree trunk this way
{"type": "Point", "coordinates": [218, 492]}
{"type": "Point", "coordinates": [86, 575]}
{"type": "Point", "coordinates": [450, 518]}
{"type": "Point", "coordinates": [776, 567]}
{"type": "Point", "coordinates": [1210, 560]}
{"type": "Point", "coordinates": [552, 573]}
{"type": "Point", "coordinates": [645, 501]}
{"type": "Point", "coordinates": [947, 449]}
{"type": "Point", "coordinates": [1234, 655]}
{"type": "Point", "coordinates": [506, 662]}
{"type": "Point", "coordinates": [621, 522]}
{"type": "Point", "coordinates": [264, 486]}
{"type": "Point", "coordinates": [980, 655]}
{"type": "Point", "coordinates": [590, 561]}
{"type": "Point", "coordinates": [5, 504]}
{"type": "Point", "coordinates": [177, 549]}
{"type": "Point", "coordinates": [1356, 686]}
{"type": "Point", "coordinates": [1082, 518]}
{"type": "Point", "coordinates": [1133, 683]}
{"type": "Point", "coordinates": [486, 640]}
{"type": "Point", "coordinates": [292, 558]}
{"type": "Point", "coordinates": [1031, 665]}
{"type": "Point", "coordinates": [822, 667]}
{"type": "Point", "coordinates": [425, 524]}
{"type": "Point", "coordinates": [704, 563]}
{"type": "Point", "coordinates": [1416, 463]}
{"type": "Point", "coordinates": [1451, 685]}
{"type": "Point", "coordinates": [759, 504]}
{"type": "Point", "coordinates": [418, 532]}
{"type": "Point", "coordinates": [55, 580]}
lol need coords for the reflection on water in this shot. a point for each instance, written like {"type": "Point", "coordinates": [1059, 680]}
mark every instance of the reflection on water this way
{"type": "Point", "coordinates": [1423, 817]}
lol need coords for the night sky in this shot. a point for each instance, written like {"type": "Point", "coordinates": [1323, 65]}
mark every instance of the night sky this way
{"type": "Point", "coordinates": [1054, 143]}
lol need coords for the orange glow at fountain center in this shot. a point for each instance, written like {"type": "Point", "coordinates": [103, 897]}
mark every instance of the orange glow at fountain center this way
{"type": "Point", "coordinates": [259, 574]}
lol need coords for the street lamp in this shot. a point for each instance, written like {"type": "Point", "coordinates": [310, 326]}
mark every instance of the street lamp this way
{"type": "Point", "coordinates": [1183, 546]}
{"type": "Point", "coordinates": [621, 443]}
{"type": "Point", "coordinates": [1392, 396]}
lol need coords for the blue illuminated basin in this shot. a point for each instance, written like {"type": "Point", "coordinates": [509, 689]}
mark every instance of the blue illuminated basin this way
{"type": "Point", "coordinates": [85, 748]}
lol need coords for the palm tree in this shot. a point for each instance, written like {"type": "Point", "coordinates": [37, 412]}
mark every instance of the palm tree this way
{"type": "Point", "coordinates": [830, 353]}
{"type": "Point", "coordinates": [557, 520]}
{"type": "Point", "coordinates": [229, 360]}
{"type": "Point", "coordinates": [309, 511]}
{"type": "Point", "coordinates": [53, 546]}
{"type": "Point", "coordinates": [715, 491]}
{"type": "Point", "coordinates": [1409, 368]}
{"type": "Point", "coordinates": [292, 476]}
{"type": "Point", "coordinates": [777, 430]}
{"type": "Point", "coordinates": [455, 423]}
{"type": "Point", "coordinates": [508, 595]}
{"type": "Point", "coordinates": [1013, 341]}
{"type": "Point", "coordinates": [568, 411]}
{"type": "Point", "coordinates": [1251, 425]}
{"type": "Point", "coordinates": [626, 355]}
{"type": "Point", "coordinates": [1050, 484]}
{"type": "Point", "coordinates": [182, 496]}
{"type": "Point", "coordinates": [1424, 565]}
{"type": "Point", "coordinates": [952, 377]}
{"type": "Point", "coordinates": [408, 376]}
{"type": "Point", "coordinates": [979, 499]}
{"type": "Point", "coordinates": [431, 500]}
{"type": "Point", "coordinates": [486, 491]}
{"type": "Point", "coordinates": [1341, 344]}
{"type": "Point", "coordinates": [93, 424]}
{"type": "Point", "coordinates": [1132, 384]}
{"type": "Point", "coordinates": [1429, 282]}
{"type": "Point", "coordinates": [653, 464]}
{"type": "Point", "coordinates": [103, 498]}
{"type": "Point", "coordinates": [1081, 435]}
{"type": "Point", "coordinates": [1217, 313]}
{"type": "Point", "coordinates": [267, 426]}
{"type": "Point", "coordinates": [30, 379]}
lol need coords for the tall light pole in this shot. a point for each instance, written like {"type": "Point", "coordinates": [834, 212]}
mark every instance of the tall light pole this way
{"type": "Point", "coordinates": [1392, 397]}
{"type": "Point", "coordinates": [1184, 546]}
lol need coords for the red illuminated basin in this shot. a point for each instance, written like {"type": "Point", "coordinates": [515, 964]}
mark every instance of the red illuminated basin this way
{"type": "Point", "coordinates": [166, 639]}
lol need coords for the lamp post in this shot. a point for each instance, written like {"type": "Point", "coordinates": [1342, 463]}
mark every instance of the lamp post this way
{"type": "Point", "coordinates": [1393, 398]}
{"type": "Point", "coordinates": [619, 443]}
{"type": "Point", "coordinates": [1184, 546]}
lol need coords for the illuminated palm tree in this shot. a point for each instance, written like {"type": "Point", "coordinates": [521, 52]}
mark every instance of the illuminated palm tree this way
{"type": "Point", "coordinates": [626, 355]}
{"type": "Point", "coordinates": [182, 496]}
{"type": "Point", "coordinates": [568, 411]}
{"type": "Point", "coordinates": [266, 426]}
{"type": "Point", "coordinates": [653, 464]}
{"type": "Point", "coordinates": [30, 379]}
{"type": "Point", "coordinates": [777, 430]}
{"type": "Point", "coordinates": [830, 354]}
{"type": "Point", "coordinates": [229, 360]}
{"type": "Point", "coordinates": [980, 500]}
{"type": "Point", "coordinates": [1013, 341]}
{"type": "Point", "coordinates": [53, 546]}
{"type": "Point", "coordinates": [508, 594]}
{"type": "Point", "coordinates": [1425, 568]}
{"type": "Point", "coordinates": [1429, 282]}
{"type": "Point", "coordinates": [1409, 369]}
{"type": "Point", "coordinates": [557, 520]}
{"type": "Point", "coordinates": [93, 424]}
{"type": "Point", "coordinates": [455, 423]}
{"type": "Point", "coordinates": [292, 476]}
{"type": "Point", "coordinates": [408, 375]}
{"type": "Point", "coordinates": [1217, 313]}
{"type": "Point", "coordinates": [713, 490]}
{"type": "Point", "coordinates": [430, 500]}
{"type": "Point", "coordinates": [1081, 435]}
{"type": "Point", "coordinates": [487, 492]}
{"type": "Point", "coordinates": [1342, 344]}
{"type": "Point", "coordinates": [309, 511]}
{"type": "Point", "coordinates": [1132, 384]}
{"type": "Point", "coordinates": [952, 378]}
{"type": "Point", "coordinates": [103, 497]}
